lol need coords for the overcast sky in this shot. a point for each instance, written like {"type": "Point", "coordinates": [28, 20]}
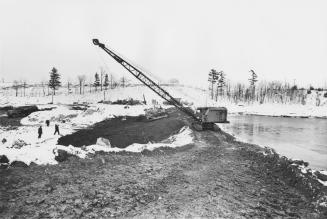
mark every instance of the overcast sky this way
{"type": "Point", "coordinates": [279, 39]}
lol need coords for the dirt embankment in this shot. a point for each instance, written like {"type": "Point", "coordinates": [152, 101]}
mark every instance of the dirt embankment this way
{"type": "Point", "coordinates": [124, 131]}
{"type": "Point", "coordinates": [8, 123]}
{"type": "Point", "coordinates": [214, 177]}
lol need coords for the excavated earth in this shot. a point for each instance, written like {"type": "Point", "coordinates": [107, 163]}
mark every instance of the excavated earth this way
{"type": "Point", "coordinates": [8, 123]}
{"type": "Point", "coordinates": [215, 177]}
{"type": "Point", "coordinates": [124, 131]}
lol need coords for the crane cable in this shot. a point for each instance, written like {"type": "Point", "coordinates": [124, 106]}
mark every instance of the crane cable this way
{"type": "Point", "coordinates": [141, 68]}
{"type": "Point", "coordinates": [105, 64]}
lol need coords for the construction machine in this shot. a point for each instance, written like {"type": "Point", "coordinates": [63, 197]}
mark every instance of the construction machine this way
{"type": "Point", "coordinates": [204, 118]}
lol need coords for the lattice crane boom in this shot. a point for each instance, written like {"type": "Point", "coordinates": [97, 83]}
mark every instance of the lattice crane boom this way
{"type": "Point", "coordinates": [146, 80]}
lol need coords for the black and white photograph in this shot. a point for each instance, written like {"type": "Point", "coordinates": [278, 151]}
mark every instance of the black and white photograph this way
{"type": "Point", "coordinates": [163, 109]}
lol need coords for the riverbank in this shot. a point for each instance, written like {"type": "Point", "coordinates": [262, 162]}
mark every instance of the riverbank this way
{"type": "Point", "coordinates": [214, 176]}
{"type": "Point", "coordinates": [296, 138]}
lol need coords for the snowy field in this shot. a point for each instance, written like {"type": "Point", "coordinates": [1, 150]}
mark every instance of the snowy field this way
{"type": "Point", "coordinates": [193, 97]}
{"type": "Point", "coordinates": [22, 144]}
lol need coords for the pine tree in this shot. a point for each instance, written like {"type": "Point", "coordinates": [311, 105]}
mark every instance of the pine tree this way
{"type": "Point", "coordinates": [253, 78]}
{"type": "Point", "coordinates": [54, 82]}
{"type": "Point", "coordinates": [213, 77]}
{"type": "Point", "coordinates": [97, 81]}
{"type": "Point", "coordinates": [106, 81]}
{"type": "Point", "coordinates": [253, 81]}
{"type": "Point", "coordinates": [221, 83]}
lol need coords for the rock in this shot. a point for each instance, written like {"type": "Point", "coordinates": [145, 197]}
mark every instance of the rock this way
{"type": "Point", "coordinates": [78, 202]}
{"type": "Point", "coordinates": [130, 101]}
{"type": "Point", "coordinates": [18, 144]}
{"type": "Point", "coordinates": [79, 108]}
{"type": "Point", "coordinates": [103, 142]}
{"type": "Point", "coordinates": [300, 162]}
{"type": "Point", "coordinates": [4, 159]}
{"type": "Point", "coordinates": [22, 111]}
{"type": "Point", "coordinates": [4, 140]}
{"type": "Point", "coordinates": [321, 176]}
{"type": "Point", "coordinates": [18, 163]}
{"type": "Point", "coordinates": [62, 155]}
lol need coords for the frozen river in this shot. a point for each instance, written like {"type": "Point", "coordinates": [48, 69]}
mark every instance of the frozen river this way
{"type": "Point", "coordinates": [298, 138]}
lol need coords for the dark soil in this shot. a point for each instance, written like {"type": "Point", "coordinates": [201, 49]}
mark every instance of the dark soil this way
{"type": "Point", "coordinates": [125, 131]}
{"type": "Point", "coordinates": [216, 177]}
{"type": "Point", "coordinates": [9, 123]}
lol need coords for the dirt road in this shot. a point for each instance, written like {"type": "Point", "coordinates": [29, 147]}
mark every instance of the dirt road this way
{"type": "Point", "coordinates": [214, 177]}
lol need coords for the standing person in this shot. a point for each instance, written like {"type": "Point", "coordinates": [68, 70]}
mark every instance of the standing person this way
{"type": "Point", "coordinates": [47, 122]}
{"type": "Point", "coordinates": [40, 131]}
{"type": "Point", "coordinates": [57, 129]}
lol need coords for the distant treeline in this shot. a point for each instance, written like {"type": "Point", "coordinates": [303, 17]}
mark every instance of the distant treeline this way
{"type": "Point", "coordinates": [259, 92]}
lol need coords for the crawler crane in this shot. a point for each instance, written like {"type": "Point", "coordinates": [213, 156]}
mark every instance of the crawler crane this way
{"type": "Point", "coordinates": [206, 116]}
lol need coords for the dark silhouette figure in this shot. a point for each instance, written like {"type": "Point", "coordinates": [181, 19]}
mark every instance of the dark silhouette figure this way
{"type": "Point", "coordinates": [47, 122]}
{"type": "Point", "coordinates": [40, 131]}
{"type": "Point", "coordinates": [57, 129]}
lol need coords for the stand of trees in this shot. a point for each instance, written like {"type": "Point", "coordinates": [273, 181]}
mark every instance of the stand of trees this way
{"type": "Point", "coordinates": [255, 91]}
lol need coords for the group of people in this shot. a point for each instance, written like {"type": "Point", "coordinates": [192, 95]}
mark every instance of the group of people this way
{"type": "Point", "coordinates": [47, 122]}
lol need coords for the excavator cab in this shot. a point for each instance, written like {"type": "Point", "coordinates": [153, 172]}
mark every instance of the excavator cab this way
{"type": "Point", "coordinates": [211, 115]}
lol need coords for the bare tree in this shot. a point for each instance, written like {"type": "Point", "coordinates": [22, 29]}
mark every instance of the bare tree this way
{"type": "Point", "coordinates": [16, 86]}
{"type": "Point", "coordinates": [81, 80]}
{"type": "Point", "coordinates": [69, 87]}
{"type": "Point", "coordinates": [111, 81]}
{"type": "Point", "coordinates": [42, 85]}
{"type": "Point", "coordinates": [102, 74]}
{"type": "Point", "coordinates": [24, 85]}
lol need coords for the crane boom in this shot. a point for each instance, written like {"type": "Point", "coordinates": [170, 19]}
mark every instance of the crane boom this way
{"type": "Point", "coordinates": [146, 80]}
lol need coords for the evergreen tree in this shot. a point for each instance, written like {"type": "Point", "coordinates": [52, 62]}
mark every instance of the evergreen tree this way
{"type": "Point", "coordinates": [54, 82]}
{"type": "Point", "coordinates": [213, 77]}
{"type": "Point", "coordinates": [97, 81]}
{"type": "Point", "coordinates": [221, 83]}
{"type": "Point", "coordinates": [106, 81]}
{"type": "Point", "coordinates": [253, 81]}
{"type": "Point", "coordinates": [253, 78]}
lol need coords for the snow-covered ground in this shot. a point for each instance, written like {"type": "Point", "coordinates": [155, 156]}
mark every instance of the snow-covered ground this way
{"type": "Point", "coordinates": [24, 145]}
{"type": "Point", "coordinates": [41, 151]}
{"type": "Point", "coordinates": [198, 97]}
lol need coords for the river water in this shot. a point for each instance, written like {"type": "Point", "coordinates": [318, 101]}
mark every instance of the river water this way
{"type": "Point", "coordinates": [297, 138]}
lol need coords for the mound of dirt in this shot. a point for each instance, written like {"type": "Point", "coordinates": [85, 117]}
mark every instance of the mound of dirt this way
{"type": "Point", "coordinates": [130, 102]}
{"type": "Point", "coordinates": [9, 123]}
{"type": "Point", "coordinates": [124, 131]}
{"type": "Point", "coordinates": [22, 111]}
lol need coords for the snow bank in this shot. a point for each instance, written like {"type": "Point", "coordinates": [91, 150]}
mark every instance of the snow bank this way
{"type": "Point", "coordinates": [292, 110]}
{"type": "Point", "coordinates": [184, 137]}
{"type": "Point", "coordinates": [45, 152]}
{"type": "Point", "coordinates": [24, 145]}
{"type": "Point", "coordinates": [40, 151]}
